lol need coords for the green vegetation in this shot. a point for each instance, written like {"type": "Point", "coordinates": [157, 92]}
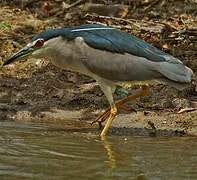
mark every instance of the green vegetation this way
{"type": "Point", "coordinates": [5, 26]}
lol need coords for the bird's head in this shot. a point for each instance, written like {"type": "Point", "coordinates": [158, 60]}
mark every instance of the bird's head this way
{"type": "Point", "coordinates": [33, 48]}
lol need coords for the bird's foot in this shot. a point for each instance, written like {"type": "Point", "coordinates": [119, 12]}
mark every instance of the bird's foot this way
{"type": "Point", "coordinates": [112, 115]}
{"type": "Point", "coordinates": [103, 117]}
{"type": "Point", "coordinates": [121, 104]}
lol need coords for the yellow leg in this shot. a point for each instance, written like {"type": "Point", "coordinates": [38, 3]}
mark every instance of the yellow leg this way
{"type": "Point", "coordinates": [120, 103]}
{"type": "Point", "coordinates": [112, 115]}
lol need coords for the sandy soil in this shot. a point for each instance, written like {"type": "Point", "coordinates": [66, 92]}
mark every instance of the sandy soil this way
{"type": "Point", "coordinates": [37, 91]}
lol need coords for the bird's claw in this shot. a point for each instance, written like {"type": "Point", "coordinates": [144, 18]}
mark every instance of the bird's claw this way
{"type": "Point", "coordinates": [102, 118]}
{"type": "Point", "coordinates": [106, 114]}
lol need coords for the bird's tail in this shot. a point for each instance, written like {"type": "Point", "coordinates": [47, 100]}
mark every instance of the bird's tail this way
{"type": "Point", "coordinates": [176, 72]}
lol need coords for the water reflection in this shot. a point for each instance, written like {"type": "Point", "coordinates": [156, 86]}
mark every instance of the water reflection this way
{"type": "Point", "coordinates": [41, 151]}
{"type": "Point", "coordinates": [111, 155]}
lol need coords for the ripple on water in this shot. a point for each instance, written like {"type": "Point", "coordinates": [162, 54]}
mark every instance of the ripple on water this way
{"type": "Point", "coordinates": [42, 151]}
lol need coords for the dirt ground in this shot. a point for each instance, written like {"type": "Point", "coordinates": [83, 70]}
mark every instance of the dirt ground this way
{"type": "Point", "coordinates": [36, 91]}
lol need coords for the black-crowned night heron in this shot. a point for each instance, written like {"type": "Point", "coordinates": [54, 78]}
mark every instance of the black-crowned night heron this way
{"type": "Point", "coordinates": [113, 58]}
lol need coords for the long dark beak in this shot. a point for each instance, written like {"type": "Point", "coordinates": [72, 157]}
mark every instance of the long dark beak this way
{"type": "Point", "coordinates": [21, 53]}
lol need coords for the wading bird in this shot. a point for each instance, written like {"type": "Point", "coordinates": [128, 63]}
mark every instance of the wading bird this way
{"type": "Point", "coordinates": [111, 57]}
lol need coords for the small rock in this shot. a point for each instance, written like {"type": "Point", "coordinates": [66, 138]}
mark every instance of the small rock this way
{"type": "Point", "coordinates": [181, 103]}
{"type": "Point", "coordinates": [59, 93]}
{"type": "Point", "coordinates": [23, 116]}
{"type": "Point", "coordinates": [154, 14]}
{"type": "Point", "coordinates": [152, 125]}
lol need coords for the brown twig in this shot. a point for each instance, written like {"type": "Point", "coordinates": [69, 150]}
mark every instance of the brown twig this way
{"type": "Point", "coordinates": [28, 3]}
{"type": "Point", "coordinates": [75, 4]}
{"type": "Point", "coordinates": [186, 110]}
{"type": "Point", "coordinates": [151, 5]}
{"type": "Point", "coordinates": [130, 21]}
{"type": "Point", "coordinates": [142, 25]}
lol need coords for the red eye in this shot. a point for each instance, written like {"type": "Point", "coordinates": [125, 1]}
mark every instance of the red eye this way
{"type": "Point", "coordinates": [39, 43]}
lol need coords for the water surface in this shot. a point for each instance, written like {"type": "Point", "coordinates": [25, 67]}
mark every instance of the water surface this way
{"type": "Point", "coordinates": [42, 151]}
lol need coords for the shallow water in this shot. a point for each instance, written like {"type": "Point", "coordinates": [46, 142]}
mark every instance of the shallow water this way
{"type": "Point", "coordinates": [45, 151]}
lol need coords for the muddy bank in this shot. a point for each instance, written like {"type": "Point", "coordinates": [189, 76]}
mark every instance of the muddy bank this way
{"type": "Point", "coordinates": [62, 97]}
{"type": "Point", "coordinates": [36, 91]}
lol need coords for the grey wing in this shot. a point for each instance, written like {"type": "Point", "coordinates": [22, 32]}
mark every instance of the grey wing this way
{"type": "Point", "coordinates": [128, 67]}
{"type": "Point", "coordinates": [117, 67]}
